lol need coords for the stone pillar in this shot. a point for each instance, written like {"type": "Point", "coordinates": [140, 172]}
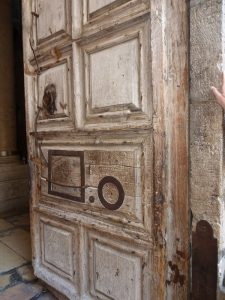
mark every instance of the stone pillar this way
{"type": "Point", "coordinates": [7, 101]}
{"type": "Point", "coordinates": [207, 27]}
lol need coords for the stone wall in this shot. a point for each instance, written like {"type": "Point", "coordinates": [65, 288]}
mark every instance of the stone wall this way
{"type": "Point", "coordinates": [206, 121]}
{"type": "Point", "coordinates": [14, 186]}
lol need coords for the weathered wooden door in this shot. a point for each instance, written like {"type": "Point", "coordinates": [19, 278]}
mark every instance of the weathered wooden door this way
{"type": "Point", "coordinates": [106, 101]}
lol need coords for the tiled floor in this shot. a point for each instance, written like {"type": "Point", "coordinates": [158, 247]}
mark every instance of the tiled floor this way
{"type": "Point", "coordinates": [17, 281]}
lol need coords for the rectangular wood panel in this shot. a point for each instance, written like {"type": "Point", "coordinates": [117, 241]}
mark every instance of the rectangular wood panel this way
{"type": "Point", "coordinates": [57, 249]}
{"type": "Point", "coordinates": [47, 13]}
{"type": "Point", "coordinates": [116, 269]}
{"type": "Point", "coordinates": [95, 11]}
{"type": "Point", "coordinates": [59, 77]}
{"type": "Point", "coordinates": [113, 177]}
{"type": "Point", "coordinates": [94, 5]}
{"type": "Point", "coordinates": [54, 90]}
{"type": "Point", "coordinates": [114, 77]}
{"type": "Point", "coordinates": [66, 176]}
{"type": "Point", "coordinates": [116, 89]}
{"type": "Point", "coordinates": [57, 254]}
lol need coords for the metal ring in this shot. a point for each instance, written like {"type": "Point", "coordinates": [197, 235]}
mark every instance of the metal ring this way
{"type": "Point", "coordinates": [114, 181]}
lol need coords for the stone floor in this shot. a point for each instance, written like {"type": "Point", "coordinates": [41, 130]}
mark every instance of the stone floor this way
{"type": "Point", "coordinates": [17, 280]}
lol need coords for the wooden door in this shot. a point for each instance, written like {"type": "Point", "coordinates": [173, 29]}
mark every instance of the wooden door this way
{"type": "Point", "coordinates": [106, 101]}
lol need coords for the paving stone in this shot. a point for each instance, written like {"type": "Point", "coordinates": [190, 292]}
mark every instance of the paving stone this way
{"type": "Point", "coordinates": [27, 273]}
{"type": "Point", "coordinates": [14, 277]}
{"type": "Point", "coordinates": [9, 259]}
{"type": "Point", "coordinates": [4, 225]}
{"type": "Point", "coordinates": [4, 281]}
{"type": "Point", "coordinates": [37, 287]}
{"type": "Point", "coordinates": [21, 291]}
{"type": "Point", "coordinates": [19, 241]}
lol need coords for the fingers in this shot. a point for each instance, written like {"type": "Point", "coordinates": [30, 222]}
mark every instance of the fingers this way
{"type": "Point", "coordinates": [223, 84]}
{"type": "Point", "coordinates": [219, 97]}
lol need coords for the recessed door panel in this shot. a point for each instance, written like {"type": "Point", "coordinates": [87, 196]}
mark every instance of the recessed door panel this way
{"type": "Point", "coordinates": [94, 5]}
{"type": "Point", "coordinates": [57, 249]}
{"type": "Point", "coordinates": [116, 90]}
{"type": "Point", "coordinates": [54, 93]}
{"type": "Point", "coordinates": [96, 11]}
{"type": "Point", "coordinates": [57, 252]}
{"type": "Point", "coordinates": [47, 12]}
{"type": "Point", "coordinates": [108, 180]}
{"type": "Point", "coordinates": [114, 76]}
{"type": "Point", "coordinates": [66, 177]}
{"type": "Point", "coordinates": [117, 269]}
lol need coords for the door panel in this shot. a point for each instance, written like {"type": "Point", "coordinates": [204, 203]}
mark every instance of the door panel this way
{"type": "Point", "coordinates": [54, 89]}
{"type": "Point", "coordinates": [116, 269]}
{"type": "Point", "coordinates": [101, 111]}
{"type": "Point", "coordinates": [57, 253]}
{"type": "Point", "coordinates": [66, 177]}
{"type": "Point", "coordinates": [95, 11]}
{"type": "Point", "coordinates": [95, 5]}
{"type": "Point", "coordinates": [49, 11]}
{"type": "Point", "coordinates": [55, 256]}
{"type": "Point", "coordinates": [58, 77]}
{"type": "Point", "coordinates": [115, 177]}
{"type": "Point", "coordinates": [116, 81]}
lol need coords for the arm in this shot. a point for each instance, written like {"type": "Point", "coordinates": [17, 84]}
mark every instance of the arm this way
{"type": "Point", "coordinates": [220, 97]}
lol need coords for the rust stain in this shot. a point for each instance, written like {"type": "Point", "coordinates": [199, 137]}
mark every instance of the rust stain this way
{"type": "Point", "coordinates": [37, 161]}
{"type": "Point", "coordinates": [55, 52]}
{"type": "Point", "coordinates": [176, 277]}
{"type": "Point", "coordinates": [29, 70]}
{"type": "Point", "coordinates": [181, 254]}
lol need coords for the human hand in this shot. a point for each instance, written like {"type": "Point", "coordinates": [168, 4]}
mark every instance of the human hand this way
{"type": "Point", "coordinates": [220, 97]}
